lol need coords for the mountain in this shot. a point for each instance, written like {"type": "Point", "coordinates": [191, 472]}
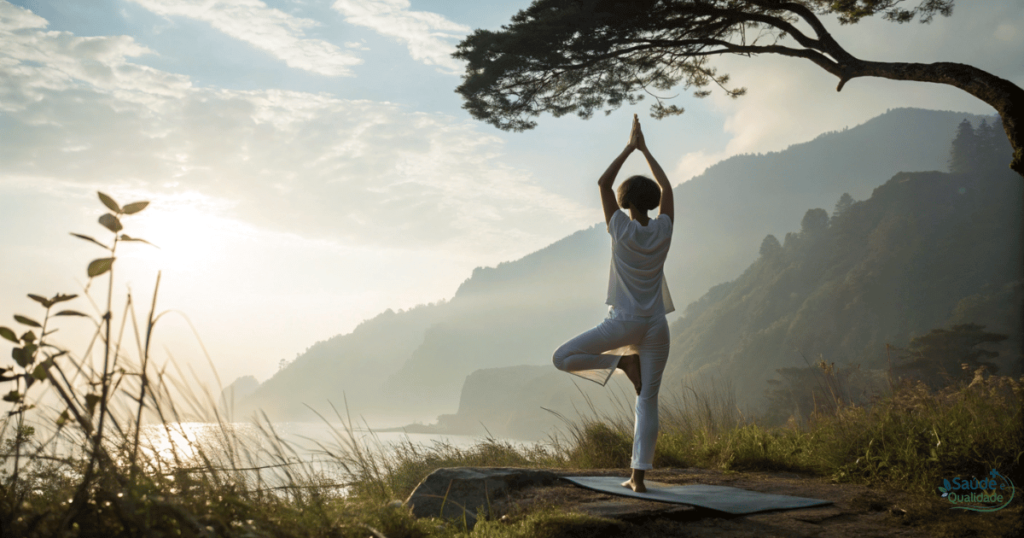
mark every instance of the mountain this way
{"type": "Point", "coordinates": [927, 250]}
{"type": "Point", "coordinates": [521, 402]}
{"type": "Point", "coordinates": [518, 312]}
{"type": "Point", "coordinates": [236, 391]}
{"type": "Point", "coordinates": [347, 368]}
{"type": "Point", "coordinates": [723, 214]}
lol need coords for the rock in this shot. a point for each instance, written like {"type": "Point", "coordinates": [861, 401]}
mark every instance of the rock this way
{"type": "Point", "coordinates": [239, 389]}
{"type": "Point", "coordinates": [457, 491]}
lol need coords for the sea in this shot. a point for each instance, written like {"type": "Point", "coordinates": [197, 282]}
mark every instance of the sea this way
{"type": "Point", "coordinates": [280, 455]}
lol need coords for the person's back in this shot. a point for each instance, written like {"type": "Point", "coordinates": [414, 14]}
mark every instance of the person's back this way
{"type": "Point", "coordinates": [636, 283]}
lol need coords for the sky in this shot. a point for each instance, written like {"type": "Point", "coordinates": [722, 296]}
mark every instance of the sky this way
{"type": "Point", "coordinates": [309, 164]}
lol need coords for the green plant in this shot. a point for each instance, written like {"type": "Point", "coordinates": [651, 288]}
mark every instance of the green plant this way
{"type": "Point", "coordinates": [249, 481]}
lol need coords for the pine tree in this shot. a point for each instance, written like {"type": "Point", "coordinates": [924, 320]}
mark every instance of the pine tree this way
{"type": "Point", "coordinates": [987, 150]}
{"type": "Point", "coordinates": [844, 203]}
{"type": "Point", "coordinates": [814, 221]}
{"type": "Point", "coordinates": [962, 155]}
{"type": "Point", "coordinates": [770, 246]}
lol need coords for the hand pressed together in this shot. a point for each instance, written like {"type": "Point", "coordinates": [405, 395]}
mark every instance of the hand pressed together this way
{"type": "Point", "coordinates": [636, 136]}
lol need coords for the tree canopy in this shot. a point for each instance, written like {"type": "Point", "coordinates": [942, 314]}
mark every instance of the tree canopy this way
{"type": "Point", "coordinates": [980, 150]}
{"type": "Point", "coordinates": [578, 56]}
{"type": "Point", "coordinates": [844, 204]}
{"type": "Point", "coordinates": [770, 245]}
{"type": "Point", "coordinates": [948, 354]}
{"type": "Point", "coordinates": [814, 221]}
{"type": "Point", "coordinates": [964, 150]}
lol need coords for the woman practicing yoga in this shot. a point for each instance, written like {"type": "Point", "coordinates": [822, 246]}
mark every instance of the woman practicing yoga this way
{"type": "Point", "coordinates": [634, 337]}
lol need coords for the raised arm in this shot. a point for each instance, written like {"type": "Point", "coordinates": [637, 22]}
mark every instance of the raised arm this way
{"type": "Point", "coordinates": [608, 201]}
{"type": "Point", "coordinates": [667, 201]}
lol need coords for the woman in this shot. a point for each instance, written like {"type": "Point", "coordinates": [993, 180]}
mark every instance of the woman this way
{"type": "Point", "coordinates": [634, 337]}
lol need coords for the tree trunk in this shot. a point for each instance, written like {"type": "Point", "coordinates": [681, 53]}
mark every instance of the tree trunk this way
{"type": "Point", "coordinates": [1006, 97]}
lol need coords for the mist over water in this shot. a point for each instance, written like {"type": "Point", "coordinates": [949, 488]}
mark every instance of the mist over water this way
{"type": "Point", "coordinates": [485, 355]}
{"type": "Point", "coordinates": [271, 456]}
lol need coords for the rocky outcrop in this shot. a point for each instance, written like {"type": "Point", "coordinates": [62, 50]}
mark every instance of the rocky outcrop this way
{"type": "Point", "coordinates": [471, 492]}
{"type": "Point", "coordinates": [237, 391]}
{"type": "Point", "coordinates": [531, 403]}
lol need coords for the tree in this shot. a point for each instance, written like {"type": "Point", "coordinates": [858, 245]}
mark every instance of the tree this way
{"type": "Point", "coordinates": [992, 148]}
{"type": "Point", "coordinates": [963, 154]}
{"type": "Point", "coordinates": [844, 203]}
{"type": "Point", "coordinates": [770, 246]}
{"type": "Point", "coordinates": [944, 355]}
{"type": "Point", "coordinates": [986, 149]}
{"type": "Point", "coordinates": [576, 56]}
{"type": "Point", "coordinates": [789, 241]}
{"type": "Point", "coordinates": [814, 221]}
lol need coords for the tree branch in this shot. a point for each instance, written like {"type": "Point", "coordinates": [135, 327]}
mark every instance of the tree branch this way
{"type": "Point", "coordinates": [731, 48]}
{"type": "Point", "coordinates": [1006, 97]}
{"type": "Point", "coordinates": [739, 17]}
{"type": "Point", "coordinates": [825, 40]}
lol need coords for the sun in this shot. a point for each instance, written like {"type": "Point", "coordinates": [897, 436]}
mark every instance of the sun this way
{"type": "Point", "coordinates": [186, 233]}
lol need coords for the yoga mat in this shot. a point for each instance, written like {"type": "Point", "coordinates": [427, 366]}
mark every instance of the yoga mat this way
{"type": "Point", "coordinates": [720, 498]}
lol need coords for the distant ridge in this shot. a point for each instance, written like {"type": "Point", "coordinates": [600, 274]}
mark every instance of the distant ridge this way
{"type": "Point", "coordinates": [925, 251]}
{"type": "Point", "coordinates": [518, 312]}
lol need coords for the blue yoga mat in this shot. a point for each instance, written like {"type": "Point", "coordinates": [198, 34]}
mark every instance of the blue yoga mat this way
{"type": "Point", "coordinates": [720, 498]}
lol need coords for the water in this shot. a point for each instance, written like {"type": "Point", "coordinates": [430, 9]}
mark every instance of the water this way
{"type": "Point", "coordinates": [306, 438]}
{"type": "Point", "coordinates": [305, 450]}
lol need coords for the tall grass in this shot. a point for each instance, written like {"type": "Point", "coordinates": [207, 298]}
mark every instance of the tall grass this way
{"type": "Point", "coordinates": [380, 473]}
{"type": "Point", "coordinates": [910, 439]}
{"type": "Point", "coordinates": [77, 462]}
{"type": "Point", "coordinates": [77, 459]}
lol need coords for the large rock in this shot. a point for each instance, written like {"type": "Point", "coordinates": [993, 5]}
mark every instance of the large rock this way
{"type": "Point", "coordinates": [464, 491]}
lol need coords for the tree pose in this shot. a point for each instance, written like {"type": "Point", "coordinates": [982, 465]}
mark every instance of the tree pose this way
{"type": "Point", "coordinates": [565, 56]}
{"type": "Point", "coordinates": [634, 337]}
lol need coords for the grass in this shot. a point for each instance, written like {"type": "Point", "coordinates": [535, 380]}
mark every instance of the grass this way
{"type": "Point", "coordinates": [895, 443]}
{"type": "Point", "coordinates": [909, 440]}
{"type": "Point", "coordinates": [76, 464]}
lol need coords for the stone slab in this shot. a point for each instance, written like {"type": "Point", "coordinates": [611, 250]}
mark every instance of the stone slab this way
{"type": "Point", "coordinates": [464, 491]}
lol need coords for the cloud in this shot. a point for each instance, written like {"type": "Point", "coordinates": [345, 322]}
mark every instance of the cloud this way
{"type": "Point", "coordinates": [360, 172]}
{"type": "Point", "coordinates": [18, 18]}
{"type": "Point", "coordinates": [791, 100]}
{"type": "Point", "coordinates": [267, 29]}
{"type": "Point", "coordinates": [36, 64]}
{"type": "Point", "coordinates": [428, 35]}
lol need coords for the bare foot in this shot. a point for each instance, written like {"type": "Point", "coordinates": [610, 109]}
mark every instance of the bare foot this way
{"type": "Point", "coordinates": [631, 365]}
{"type": "Point", "coordinates": [635, 486]}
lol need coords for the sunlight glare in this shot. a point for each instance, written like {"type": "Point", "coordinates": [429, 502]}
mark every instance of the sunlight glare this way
{"type": "Point", "coordinates": [188, 230]}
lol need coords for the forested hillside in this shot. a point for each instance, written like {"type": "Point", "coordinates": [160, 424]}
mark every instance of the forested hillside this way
{"type": "Point", "coordinates": [931, 264]}
{"type": "Point", "coordinates": [518, 312]}
{"type": "Point", "coordinates": [928, 250]}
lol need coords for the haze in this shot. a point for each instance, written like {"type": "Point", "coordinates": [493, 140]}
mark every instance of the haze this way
{"type": "Point", "coordinates": [309, 164]}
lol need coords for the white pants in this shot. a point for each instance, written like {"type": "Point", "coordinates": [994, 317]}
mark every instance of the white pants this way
{"type": "Point", "coordinates": [595, 355]}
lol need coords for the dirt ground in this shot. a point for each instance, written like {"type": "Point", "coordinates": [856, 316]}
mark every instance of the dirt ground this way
{"type": "Point", "coordinates": [857, 511]}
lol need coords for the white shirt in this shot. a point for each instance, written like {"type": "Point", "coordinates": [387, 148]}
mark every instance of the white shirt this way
{"type": "Point", "coordinates": [636, 284]}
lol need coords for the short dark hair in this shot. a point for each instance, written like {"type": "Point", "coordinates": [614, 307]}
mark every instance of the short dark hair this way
{"type": "Point", "coordinates": [640, 192]}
